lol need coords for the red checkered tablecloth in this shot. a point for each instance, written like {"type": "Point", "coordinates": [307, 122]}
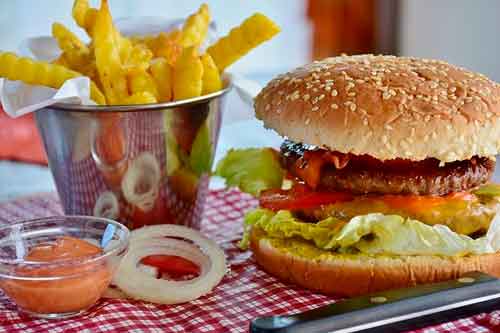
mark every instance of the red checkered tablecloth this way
{"type": "Point", "coordinates": [244, 293]}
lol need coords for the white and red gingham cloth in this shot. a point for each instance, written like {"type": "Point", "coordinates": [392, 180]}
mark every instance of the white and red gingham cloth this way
{"type": "Point", "coordinates": [245, 292]}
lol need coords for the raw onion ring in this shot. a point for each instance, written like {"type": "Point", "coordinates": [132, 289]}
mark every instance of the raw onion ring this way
{"type": "Point", "coordinates": [152, 240]}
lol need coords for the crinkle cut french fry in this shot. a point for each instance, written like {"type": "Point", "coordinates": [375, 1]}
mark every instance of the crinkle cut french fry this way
{"type": "Point", "coordinates": [67, 40]}
{"type": "Point", "coordinates": [61, 60]}
{"type": "Point", "coordinates": [140, 56]}
{"type": "Point", "coordinates": [87, 69]}
{"type": "Point", "coordinates": [188, 73]}
{"type": "Point", "coordinates": [124, 46]}
{"type": "Point", "coordinates": [77, 54]}
{"type": "Point", "coordinates": [195, 28]}
{"type": "Point", "coordinates": [162, 74]}
{"type": "Point", "coordinates": [211, 80]}
{"type": "Point", "coordinates": [79, 11]}
{"type": "Point", "coordinates": [84, 15]}
{"type": "Point", "coordinates": [167, 45]}
{"type": "Point", "coordinates": [253, 31]}
{"type": "Point", "coordinates": [90, 19]}
{"type": "Point", "coordinates": [139, 81]}
{"type": "Point", "coordinates": [33, 72]}
{"type": "Point", "coordinates": [143, 97]}
{"type": "Point", "coordinates": [107, 54]}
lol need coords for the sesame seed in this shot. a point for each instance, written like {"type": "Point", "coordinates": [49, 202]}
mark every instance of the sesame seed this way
{"type": "Point", "coordinates": [386, 95]}
{"type": "Point", "coordinates": [334, 92]}
{"type": "Point", "coordinates": [315, 108]}
{"type": "Point", "coordinates": [328, 88]}
{"type": "Point", "coordinates": [334, 106]}
{"type": "Point", "coordinates": [307, 121]}
{"type": "Point", "coordinates": [306, 97]}
{"type": "Point", "coordinates": [351, 94]}
{"type": "Point", "coordinates": [353, 107]}
{"type": "Point", "coordinates": [320, 97]}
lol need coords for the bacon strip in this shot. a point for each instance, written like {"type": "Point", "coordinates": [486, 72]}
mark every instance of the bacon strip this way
{"type": "Point", "coordinates": [308, 167]}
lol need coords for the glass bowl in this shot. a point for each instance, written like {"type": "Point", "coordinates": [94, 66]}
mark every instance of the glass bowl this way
{"type": "Point", "coordinates": [67, 286]}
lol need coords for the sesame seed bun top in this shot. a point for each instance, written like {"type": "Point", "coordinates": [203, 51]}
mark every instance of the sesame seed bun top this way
{"type": "Point", "coordinates": [387, 107]}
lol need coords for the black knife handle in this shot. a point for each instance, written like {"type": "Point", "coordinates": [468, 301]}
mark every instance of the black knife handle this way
{"type": "Point", "coordinates": [420, 305]}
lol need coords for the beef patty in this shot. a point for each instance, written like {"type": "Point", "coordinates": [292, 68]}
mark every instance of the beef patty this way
{"type": "Point", "coordinates": [363, 174]}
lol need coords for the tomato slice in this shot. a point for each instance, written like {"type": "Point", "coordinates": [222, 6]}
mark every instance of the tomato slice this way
{"type": "Point", "coordinates": [300, 197]}
{"type": "Point", "coordinates": [174, 265]}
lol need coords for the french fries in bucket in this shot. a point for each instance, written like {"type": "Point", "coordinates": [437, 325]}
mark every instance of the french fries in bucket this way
{"type": "Point", "coordinates": [147, 159]}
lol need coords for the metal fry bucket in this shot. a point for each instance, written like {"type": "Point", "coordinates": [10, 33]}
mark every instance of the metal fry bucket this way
{"type": "Point", "coordinates": [138, 164]}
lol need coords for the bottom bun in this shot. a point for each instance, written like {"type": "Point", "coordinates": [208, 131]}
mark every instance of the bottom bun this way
{"type": "Point", "coordinates": [355, 274]}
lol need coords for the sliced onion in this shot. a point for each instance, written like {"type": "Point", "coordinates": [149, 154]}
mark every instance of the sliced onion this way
{"type": "Point", "coordinates": [152, 240]}
{"type": "Point", "coordinates": [107, 206]}
{"type": "Point", "coordinates": [143, 173]}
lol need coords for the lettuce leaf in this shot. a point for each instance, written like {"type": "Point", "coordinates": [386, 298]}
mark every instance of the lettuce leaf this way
{"type": "Point", "coordinates": [283, 225]}
{"type": "Point", "coordinates": [252, 170]}
{"type": "Point", "coordinates": [370, 234]}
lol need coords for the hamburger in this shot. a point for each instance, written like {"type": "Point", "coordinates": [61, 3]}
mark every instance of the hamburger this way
{"type": "Point", "coordinates": [382, 179]}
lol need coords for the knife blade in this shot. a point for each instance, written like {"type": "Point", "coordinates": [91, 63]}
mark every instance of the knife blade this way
{"type": "Point", "coordinates": [394, 310]}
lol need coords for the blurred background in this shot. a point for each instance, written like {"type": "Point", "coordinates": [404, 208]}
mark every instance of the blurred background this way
{"type": "Point", "coordinates": [459, 31]}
